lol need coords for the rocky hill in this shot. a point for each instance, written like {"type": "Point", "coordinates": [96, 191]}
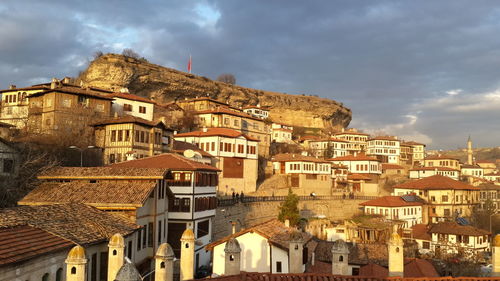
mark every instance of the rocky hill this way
{"type": "Point", "coordinates": [164, 85]}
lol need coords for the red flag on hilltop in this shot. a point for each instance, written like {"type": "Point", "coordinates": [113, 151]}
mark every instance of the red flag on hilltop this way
{"type": "Point", "coordinates": [189, 64]}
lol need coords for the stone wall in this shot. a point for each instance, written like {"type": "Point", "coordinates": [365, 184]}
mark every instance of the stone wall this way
{"type": "Point", "coordinates": [249, 214]}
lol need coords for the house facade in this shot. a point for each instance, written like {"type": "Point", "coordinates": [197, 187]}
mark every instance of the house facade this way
{"type": "Point", "coordinates": [281, 133]}
{"type": "Point", "coordinates": [257, 111]}
{"type": "Point", "coordinates": [125, 103]}
{"type": "Point", "coordinates": [359, 164]}
{"type": "Point", "coordinates": [385, 148]}
{"type": "Point", "coordinates": [450, 238]}
{"type": "Point", "coordinates": [328, 148]}
{"type": "Point", "coordinates": [356, 141]}
{"type": "Point", "coordinates": [408, 209]}
{"type": "Point", "coordinates": [442, 161]}
{"type": "Point", "coordinates": [423, 172]}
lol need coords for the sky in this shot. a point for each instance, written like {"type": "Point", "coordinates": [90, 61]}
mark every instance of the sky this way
{"type": "Point", "coordinates": [427, 71]}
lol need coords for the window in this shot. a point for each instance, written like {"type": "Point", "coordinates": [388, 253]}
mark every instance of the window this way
{"type": "Point", "coordinates": [444, 198]}
{"type": "Point", "coordinates": [59, 274]}
{"type": "Point", "coordinates": [127, 135]}
{"type": "Point", "coordinates": [127, 107]}
{"type": "Point", "coordinates": [113, 135]}
{"type": "Point", "coordinates": [144, 236]}
{"type": "Point", "coordinates": [150, 234]}
{"type": "Point", "coordinates": [447, 212]}
{"type": "Point", "coordinates": [142, 109]}
{"type": "Point", "coordinates": [139, 239]}
{"type": "Point", "coordinates": [112, 158]}
{"type": "Point", "coordinates": [159, 232]}
{"type": "Point", "coordinates": [120, 135]}
{"type": "Point", "coordinates": [203, 228]}
{"type": "Point", "coordinates": [426, 245]}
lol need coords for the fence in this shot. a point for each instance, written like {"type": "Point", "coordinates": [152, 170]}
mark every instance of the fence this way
{"type": "Point", "coordinates": [249, 199]}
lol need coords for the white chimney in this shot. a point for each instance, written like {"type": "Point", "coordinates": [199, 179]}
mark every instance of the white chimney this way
{"type": "Point", "coordinates": [124, 90]}
{"type": "Point", "coordinates": [205, 129]}
{"type": "Point", "coordinates": [233, 227]}
{"type": "Point", "coordinates": [287, 223]}
{"type": "Point", "coordinates": [12, 87]}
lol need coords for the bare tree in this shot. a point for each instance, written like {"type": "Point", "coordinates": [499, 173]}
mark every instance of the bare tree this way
{"type": "Point", "coordinates": [130, 53]}
{"type": "Point", "coordinates": [98, 54]}
{"type": "Point", "coordinates": [227, 78]}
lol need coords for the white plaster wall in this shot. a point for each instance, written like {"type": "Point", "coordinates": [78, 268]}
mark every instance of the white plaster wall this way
{"type": "Point", "coordinates": [279, 254]}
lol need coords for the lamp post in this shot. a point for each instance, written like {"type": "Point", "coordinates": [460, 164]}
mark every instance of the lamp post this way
{"type": "Point", "coordinates": [81, 151]}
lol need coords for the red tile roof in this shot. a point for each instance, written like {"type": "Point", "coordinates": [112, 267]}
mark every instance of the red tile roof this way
{"type": "Point", "coordinates": [389, 138]}
{"type": "Point", "coordinates": [455, 228]}
{"type": "Point", "coordinates": [387, 166]}
{"type": "Point", "coordinates": [440, 156]}
{"type": "Point", "coordinates": [128, 119]}
{"type": "Point", "coordinates": [210, 132]}
{"type": "Point", "coordinates": [171, 161]}
{"type": "Point", "coordinates": [390, 201]}
{"type": "Point", "coordinates": [331, 139]}
{"type": "Point", "coordinates": [75, 91]}
{"type": "Point", "coordinates": [181, 146]}
{"type": "Point", "coordinates": [292, 157]}
{"type": "Point", "coordinates": [419, 268]}
{"type": "Point", "coordinates": [485, 161]}
{"type": "Point", "coordinates": [351, 133]}
{"type": "Point", "coordinates": [110, 172]}
{"type": "Point", "coordinates": [421, 232]}
{"type": "Point", "coordinates": [436, 182]}
{"type": "Point", "coordinates": [373, 270]}
{"type": "Point", "coordinates": [21, 243]}
{"type": "Point", "coordinates": [358, 177]}
{"type": "Point", "coordinates": [412, 143]}
{"type": "Point", "coordinates": [434, 168]}
{"type": "Point", "coordinates": [358, 157]}
{"type": "Point", "coordinates": [132, 97]}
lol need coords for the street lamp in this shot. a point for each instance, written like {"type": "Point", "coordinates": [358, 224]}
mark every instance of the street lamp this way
{"type": "Point", "coordinates": [81, 151]}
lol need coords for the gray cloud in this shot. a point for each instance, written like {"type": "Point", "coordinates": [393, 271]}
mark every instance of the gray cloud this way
{"type": "Point", "coordinates": [392, 62]}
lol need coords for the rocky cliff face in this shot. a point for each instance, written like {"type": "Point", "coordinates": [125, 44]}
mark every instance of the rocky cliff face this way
{"type": "Point", "coordinates": [165, 85]}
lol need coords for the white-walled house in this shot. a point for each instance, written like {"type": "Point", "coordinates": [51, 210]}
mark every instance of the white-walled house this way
{"type": "Point", "coordinates": [281, 133]}
{"type": "Point", "coordinates": [328, 148]}
{"type": "Point", "coordinates": [423, 172]}
{"type": "Point", "coordinates": [128, 104]}
{"type": "Point", "coordinates": [471, 170]}
{"type": "Point", "coordinates": [359, 163]}
{"type": "Point", "coordinates": [237, 156]}
{"type": "Point", "coordinates": [450, 237]}
{"type": "Point", "coordinates": [407, 208]}
{"type": "Point", "coordinates": [257, 111]}
{"type": "Point", "coordinates": [264, 248]}
{"type": "Point", "coordinates": [385, 148]}
{"type": "Point", "coordinates": [442, 161]}
{"type": "Point", "coordinates": [356, 141]}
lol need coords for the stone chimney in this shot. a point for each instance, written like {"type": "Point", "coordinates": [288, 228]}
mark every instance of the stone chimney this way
{"type": "Point", "coordinates": [232, 257]}
{"type": "Point", "coordinates": [116, 249]}
{"type": "Point", "coordinates": [340, 258]}
{"type": "Point", "coordinates": [495, 256]}
{"type": "Point", "coordinates": [12, 87]}
{"type": "Point", "coordinates": [295, 249]}
{"type": "Point", "coordinates": [76, 264]}
{"type": "Point", "coordinates": [396, 259]}
{"type": "Point", "coordinates": [164, 263]}
{"type": "Point", "coordinates": [187, 255]}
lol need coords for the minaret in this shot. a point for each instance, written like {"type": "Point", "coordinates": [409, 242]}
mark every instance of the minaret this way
{"type": "Point", "coordinates": [116, 249]}
{"type": "Point", "coordinates": [340, 258]}
{"type": "Point", "coordinates": [296, 246]}
{"type": "Point", "coordinates": [495, 256]}
{"type": "Point", "coordinates": [469, 152]}
{"type": "Point", "coordinates": [396, 260]}
{"type": "Point", "coordinates": [164, 263]}
{"type": "Point", "coordinates": [232, 257]}
{"type": "Point", "coordinates": [75, 264]}
{"type": "Point", "coordinates": [187, 255]}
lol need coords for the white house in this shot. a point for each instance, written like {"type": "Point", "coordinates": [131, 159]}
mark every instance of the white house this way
{"type": "Point", "coordinates": [281, 133]}
{"type": "Point", "coordinates": [257, 111]}
{"type": "Point", "coordinates": [423, 172]}
{"type": "Point", "coordinates": [356, 141]}
{"type": "Point", "coordinates": [128, 104]}
{"type": "Point", "coordinates": [472, 170]}
{"type": "Point", "coordinates": [385, 148]}
{"type": "Point", "coordinates": [404, 208]}
{"type": "Point", "coordinates": [450, 237]}
{"type": "Point", "coordinates": [359, 163]}
{"type": "Point", "coordinates": [328, 148]}
{"type": "Point", "coordinates": [237, 156]}
{"type": "Point", "coordinates": [264, 247]}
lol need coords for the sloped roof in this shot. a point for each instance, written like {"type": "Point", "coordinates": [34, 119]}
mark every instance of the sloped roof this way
{"type": "Point", "coordinates": [389, 138]}
{"type": "Point", "coordinates": [275, 231]}
{"type": "Point", "coordinates": [358, 177]}
{"type": "Point", "coordinates": [131, 97]}
{"type": "Point", "coordinates": [421, 232]}
{"type": "Point", "coordinates": [390, 201]}
{"type": "Point", "coordinates": [90, 92]}
{"type": "Point", "coordinates": [226, 110]}
{"type": "Point", "coordinates": [436, 182]}
{"type": "Point", "coordinates": [374, 270]}
{"type": "Point", "coordinates": [181, 146]}
{"type": "Point", "coordinates": [358, 253]}
{"type": "Point", "coordinates": [110, 172]}
{"type": "Point", "coordinates": [434, 168]}
{"type": "Point", "coordinates": [351, 133]}
{"type": "Point", "coordinates": [358, 157]}
{"type": "Point", "coordinates": [78, 223]}
{"type": "Point", "coordinates": [419, 268]}
{"type": "Point", "coordinates": [455, 228]}
{"type": "Point", "coordinates": [101, 193]}
{"type": "Point", "coordinates": [440, 156]}
{"type": "Point", "coordinates": [387, 166]}
{"type": "Point", "coordinates": [289, 157]}
{"type": "Point", "coordinates": [467, 166]}
{"type": "Point", "coordinates": [330, 139]}
{"type": "Point", "coordinates": [20, 243]}
{"type": "Point", "coordinates": [171, 161]}
{"type": "Point", "coordinates": [223, 132]}
{"type": "Point", "coordinates": [127, 119]}
{"type": "Point", "coordinates": [412, 143]}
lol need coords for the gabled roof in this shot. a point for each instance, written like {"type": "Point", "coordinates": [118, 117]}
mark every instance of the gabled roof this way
{"type": "Point", "coordinates": [467, 166]}
{"type": "Point", "coordinates": [181, 146]}
{"type": "Point", "coordinates": [78, 223]}
{"type": "Point", "coordinates": [358, 157]}
{"type": "Point", "coordinates": [440, 157]}
{"type": "Point", "coordinates": [351, 133]}
{"type": "Point", "coordinates": [122, 193]}
{"type": "Point", "coordinates": [109, 172]}
{"type": "Point", "coordinates": [222, 132]}
{"type": "Point", "coordinates": [292, 157]}
{"type": "Point", "coordinates": [133, 97]}
{"type": "Point", "coordinates": [165, 161]}
{"type": "Point", "coordinates": [74, 90]}
{"type": "Point", "coordinates": [226, 110]}
{"type": "Point", "coordinates": [436, 182]}
{"type": "Point", "coordinates": [455, 228]}
{"type": "Point", "coordinates": [412, 143]}
{"type": "Point", "coordinates": [273, 230]}
{"type": "Point", "coordinates": [21, 243]}
{"type": "Point", "coordinates": [331, 139]}
{"type": "Point", "coordinates": [358, 177]}
{"type": "Point", "coordinates": [421, 232]}
{"type": "Point", "coordinates": [412, 268]}
{"type": "Point", "coordinates": [388, 138]}
{"type": "Point", "coordinates": [128, 119]}
{"type": "Point", "coordinates": [390, 201]}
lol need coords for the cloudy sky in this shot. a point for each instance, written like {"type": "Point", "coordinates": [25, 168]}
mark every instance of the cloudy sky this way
{"type": "Point", "coordinates": [423, 70]}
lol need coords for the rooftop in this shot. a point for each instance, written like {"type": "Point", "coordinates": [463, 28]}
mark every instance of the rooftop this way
{"type": "Point", "coordinates": [434, 168]}
{"type": "Point", "coordinates": [421, 232]}
{"type": "Point", "coordinates": [181, 146]}
{"type": "Point", "coordinates": [441, 157]}
{"type": "Point", "coordinates": [455, 228]}
{"type": "Point", "coordinates": [436, 182]}
{"type": "Point", "coordinates": [357, 157]}
{"type": "Point", "coordinates": [222, 132]}
{"type": "Point", "coordinates": [226, 110]}
{"type": "Point", "coordinates": [127, 119]}
{"type": "Point", "coordinates": [387, 166]}
{"type": "Point", "coordinates": [289, 157]}
{"type": "Point", "coordinates": [171, 161]}
{"type": "Point", "coordinates": [391, 201]}
{"type": "Point", "coordinates": [388, 138]}
{"type": "Point", "coordinates": [110, 172]}
{"type": "Point", "coordinates": [75, 90]}
{"type": "Point", "coordinates": [133, 97]}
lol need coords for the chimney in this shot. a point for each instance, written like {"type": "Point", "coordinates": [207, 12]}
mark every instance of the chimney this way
{"type": "Point", "coordinates": [164, 263]}
{"type": "Point", "coordinates": [205, 129]}
{"type": "Point", "coordinates": [66, 80]}
{"type": "Point", "coordinates": [115, 115]}
{"type": "Point", "coordinates": [124, 90]}
{"type": "Point", "coordinates": [495, 256]}
{"type": "Point", "coordinates": [76, 264]}
{"type": "Point", "coordinates": [287, 223]}
{"type": "Point", "coordinates": [295, 249]}
{"type": "Point", "coordinates": [116, 249]}
{"type": "Point", "coordinates": [355, 153]}
{"type": "Point", "coordinates": [233, 227]}
{"type": "Point", "coordinates": [187, 255]}
{"type": "Point", "coordinates": [343, 130]}
{"type": "Point", "coordinates": [232, 257]}
{"type": "Point", "coordinates": [340, 258]}
{"type": "Point", "coordinates": [54, 83]}
{"type": "Point", "coordinates": [396, 259]}
{"type": "Point", "coordinates": [12, 87]}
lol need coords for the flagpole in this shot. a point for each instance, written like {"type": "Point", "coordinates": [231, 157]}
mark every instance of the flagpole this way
{"type": "Point", "coordinates": [190, 64]}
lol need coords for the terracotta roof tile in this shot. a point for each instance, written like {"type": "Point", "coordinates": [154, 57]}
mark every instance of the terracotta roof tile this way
{"type": "Point", "coordinates": [127, 119]}
{"type": "Point", "coordinates": [387, 166]}
{"type": "Point", "coordinates": [171, 161]}
{"type": "Point", "coordinates": [435, 168]}
{"type": "Point", "coordinates": [436, 182]}
{"type": "Point", "coordinates": [358, 157]}
{"type": "Point", "coordinates": [223, 132]}
{"type": "Point", "coordinates": [330, 139]}
{"type": "Point", "coordinates": [412, 143]}
{"type": "Point", "coordinates": [389, 138]}
{"type": "Point", "coordinates": [20, 243]}
{"type": "Point", "coordinates": [351, 133]}
{"type": "Point", "coordinates": [289, 157]}
{"type": "Point", "coordinates": [455, 228]}
{"type": "Point", "coordinates": [421, 232]}
{"type": "Point", "coordinates": [75, 91]}
{"type": "Point", "coordinates": [390, 201]}
{"type": "Point", "coordinates": [100, 193]}
{"type": "Point", "coordinates": [419, 268]}
{"type": "Point", "coordinates": [78, 223]}
{"type": "Point", "coordinates": [358, 177]}
{"type": "Point", "coordinates": [440, 156]}
{"type": "Point", "coordinates": [110, 172]}
{"type": "Point", "coordinates": [373, 270]}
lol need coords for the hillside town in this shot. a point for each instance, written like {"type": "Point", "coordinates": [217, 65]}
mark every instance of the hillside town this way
{"type": "Point", "coordinates": [104, 184]}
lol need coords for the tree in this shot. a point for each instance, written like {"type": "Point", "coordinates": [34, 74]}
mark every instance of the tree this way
{"type": "Point", "coordinates": [98, 54]}
{"type": "Point", "coordinates": [130, 53]}
{"type": "Point", "coordinates": [289, 209]}
{"type": "Point", "coordinates": [227, 78]}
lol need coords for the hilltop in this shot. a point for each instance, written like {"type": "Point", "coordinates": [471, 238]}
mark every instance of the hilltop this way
{"type": "Point", "coordinates": [163, 84]}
